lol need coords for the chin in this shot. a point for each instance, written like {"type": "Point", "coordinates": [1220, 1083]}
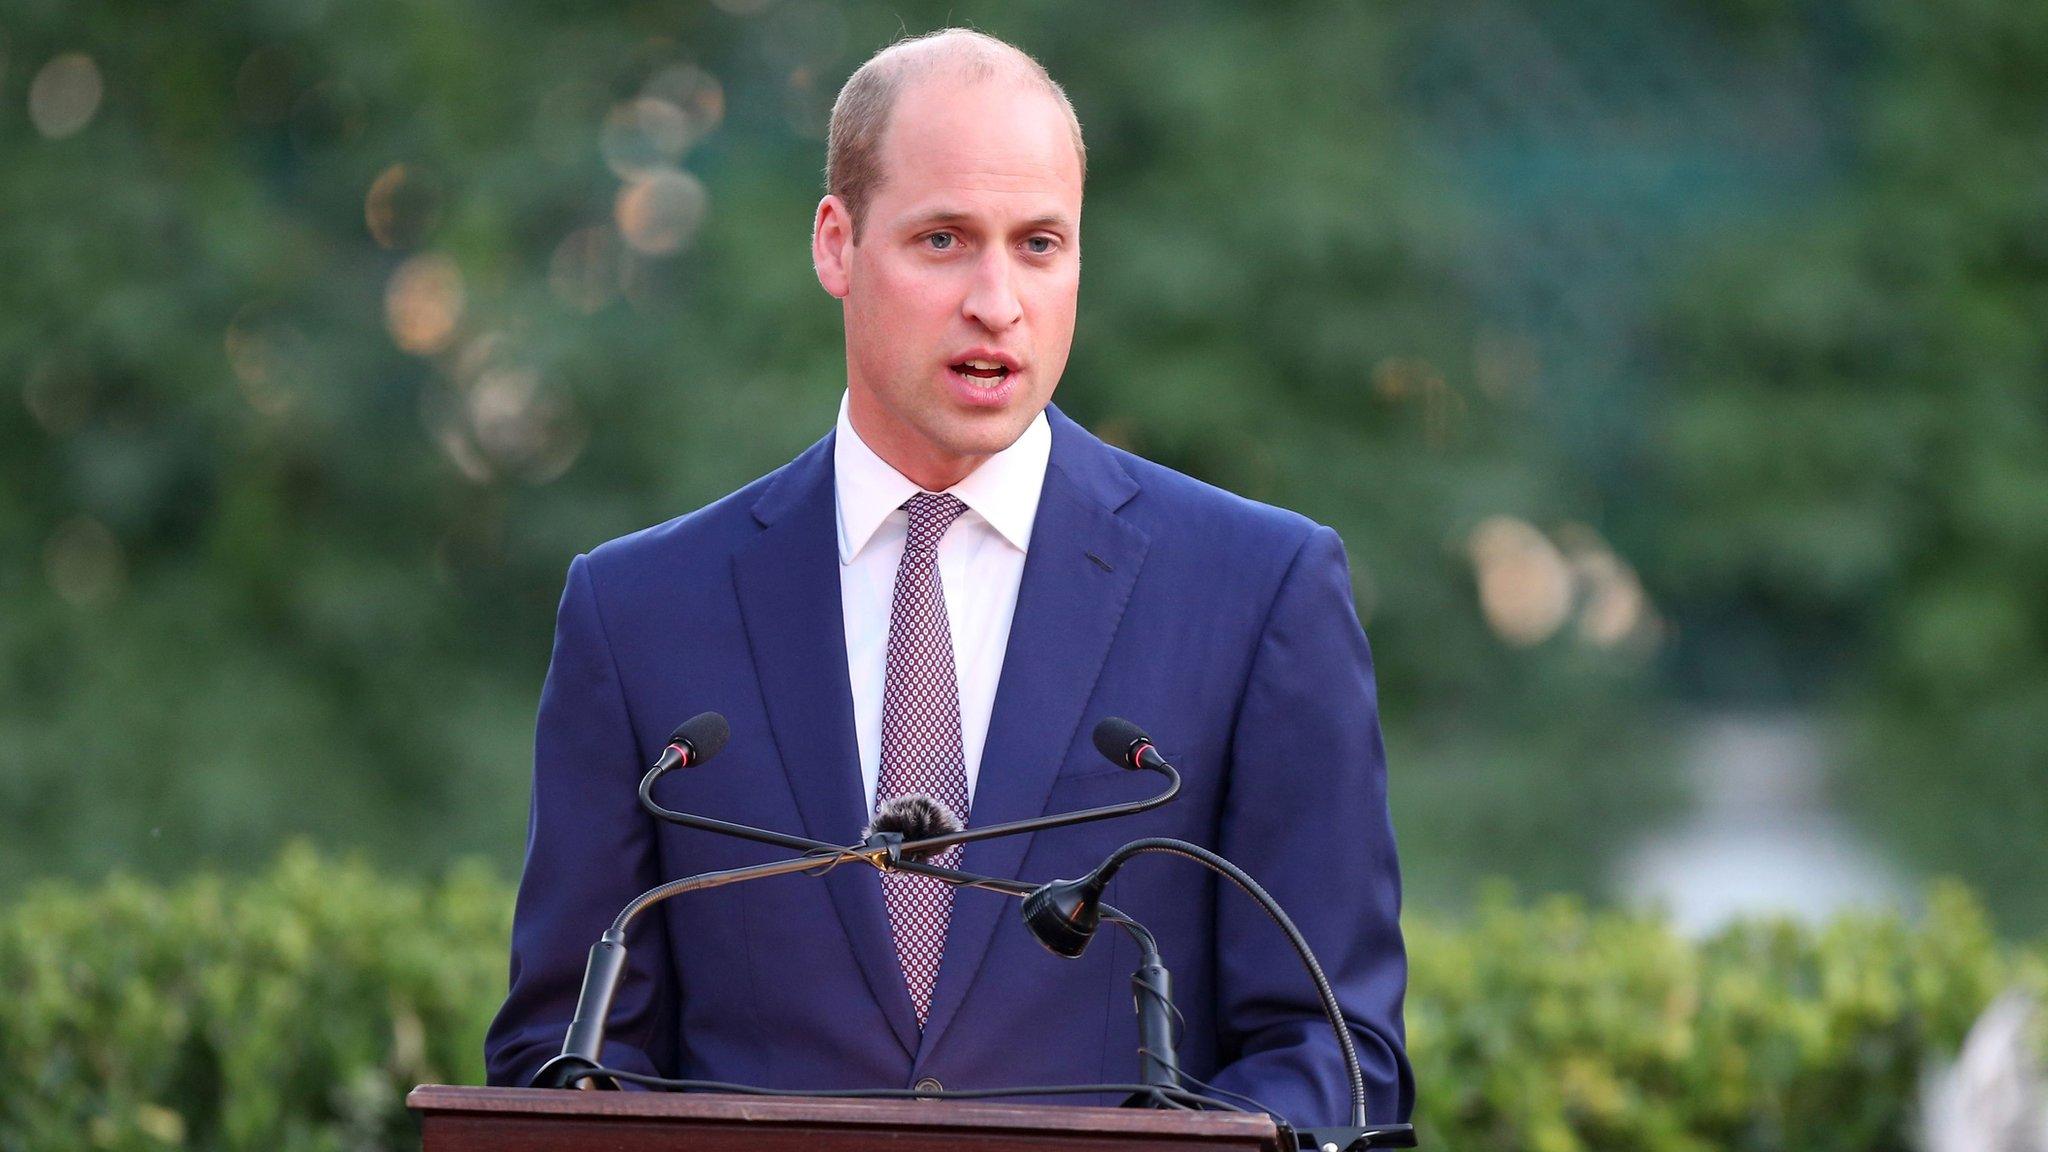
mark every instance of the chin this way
{"type": "Point", "coordinates": [989, 435]}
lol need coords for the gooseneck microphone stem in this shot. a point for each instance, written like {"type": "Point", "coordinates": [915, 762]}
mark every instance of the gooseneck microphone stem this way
{"type": "Point", "coordinates": [884, 856]}
{"type": "Point", "coordinates": [726, 876]}
{"type": "Point", "coordinates": [1243, 880]}
{"type": "Point", "coordinates": [744, 832]}
{"type": "Point", "coordinates": [929, 846]}
{"type": "Point", "coordinates": [583, 1047]}
{"type": "Point", "coordinates": [934, 844]}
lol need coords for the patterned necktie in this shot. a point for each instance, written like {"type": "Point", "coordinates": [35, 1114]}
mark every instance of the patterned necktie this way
{"type": "Point", "coordinates": [921, 749]}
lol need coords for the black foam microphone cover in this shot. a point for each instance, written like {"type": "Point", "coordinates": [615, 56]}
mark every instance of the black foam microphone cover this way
{"type": "Point", "coordinates": [703, 734]}
{"type": "Point", "coordinates": [1119, 740]}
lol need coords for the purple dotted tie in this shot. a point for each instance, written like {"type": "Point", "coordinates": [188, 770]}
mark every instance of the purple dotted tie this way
{"type": "Point", "coordinates": [921, 738]}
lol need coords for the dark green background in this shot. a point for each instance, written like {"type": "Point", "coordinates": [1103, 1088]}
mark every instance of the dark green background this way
{"type": "Point", "coordinates": [1744, 298]}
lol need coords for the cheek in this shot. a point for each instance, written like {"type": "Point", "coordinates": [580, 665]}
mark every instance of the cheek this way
{"type": "Point", "coordinates": [906, 300]}
{"type": "Point", "coordinates": [1053, 304]}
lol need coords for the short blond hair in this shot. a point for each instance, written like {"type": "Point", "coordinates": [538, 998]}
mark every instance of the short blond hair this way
{"type": "Point", "coordinates": [860, 116]}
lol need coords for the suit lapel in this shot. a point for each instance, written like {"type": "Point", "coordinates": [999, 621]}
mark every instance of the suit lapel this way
{"type": "Point", "coordinates": [788, 584]}
{"type": "Point", "coordinates": [1077, 578]}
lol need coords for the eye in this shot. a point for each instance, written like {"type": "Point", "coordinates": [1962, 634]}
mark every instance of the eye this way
{"type": "Point", "coordinates": [1040, 245]}
{"type": "Point", "coordinates": [940, 241]}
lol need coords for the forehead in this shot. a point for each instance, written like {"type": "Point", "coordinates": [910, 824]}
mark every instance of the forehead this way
{"type": "Point", "coordinates": [998, 145]}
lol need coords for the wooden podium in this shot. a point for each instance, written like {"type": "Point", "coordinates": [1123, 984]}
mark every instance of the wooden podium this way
{"type": "Point", "coordinates": [543, 1120]}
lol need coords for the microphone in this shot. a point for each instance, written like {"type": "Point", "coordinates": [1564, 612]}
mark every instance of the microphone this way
{"type": "Point", "coordinates": [694, 741]}
{"type": "Point", "coordinates": [1122, 742]}
{"type": "Point", "coordinates": [1063, 914]}
{"type": "Point", "coordinates": [912, 818]}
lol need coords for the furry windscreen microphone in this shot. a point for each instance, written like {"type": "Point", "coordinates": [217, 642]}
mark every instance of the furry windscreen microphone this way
{"type": "Point", "coordinates": [915, 817]}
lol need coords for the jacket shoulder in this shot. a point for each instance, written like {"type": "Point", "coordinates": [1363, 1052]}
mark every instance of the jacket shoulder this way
{"type": "Point", "coordinates": [687, 533]}
{"type": "Point", "coordinates": [1173, 501]}
{"type": "Point", "coordinates": [681, 547]}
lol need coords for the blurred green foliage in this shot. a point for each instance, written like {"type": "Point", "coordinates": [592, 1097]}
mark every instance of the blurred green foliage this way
{"type": "Point", "coordinates": [1745, 294]}
{"type": "Point", "coordinates": [290, 1010]}
{"type": "Point", "coordinates": [293, 1009]}
{"type": "Point", "coordinates": [1550, 1028]}
{"type": "Point", "coordinates": [1854, 459]}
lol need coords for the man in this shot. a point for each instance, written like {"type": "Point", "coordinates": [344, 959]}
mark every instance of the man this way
{"type": "Point", "coordinates": [943, 597]}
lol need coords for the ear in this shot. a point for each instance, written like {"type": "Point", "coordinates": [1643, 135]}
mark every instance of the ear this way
{"type": "Point", "coordinates": [832, 246]}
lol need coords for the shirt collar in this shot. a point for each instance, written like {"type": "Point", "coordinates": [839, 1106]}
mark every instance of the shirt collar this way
{"type": "Point", "coordinates": [1003, 490]}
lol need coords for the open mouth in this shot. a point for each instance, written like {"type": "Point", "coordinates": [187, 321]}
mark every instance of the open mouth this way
{"type": "Point", "coordinates": [984, 370]}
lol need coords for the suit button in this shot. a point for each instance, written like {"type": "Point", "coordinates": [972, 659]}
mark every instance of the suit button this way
{"type": "Point", "coordinates": [928, 1085]}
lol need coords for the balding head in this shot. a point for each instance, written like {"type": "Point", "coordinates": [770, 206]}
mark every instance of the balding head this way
{"type": "Point", "coordinates": [860, 116]}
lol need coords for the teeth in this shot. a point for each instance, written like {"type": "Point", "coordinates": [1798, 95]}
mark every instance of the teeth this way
{"type": "Point", "coordinates": [983, 365]}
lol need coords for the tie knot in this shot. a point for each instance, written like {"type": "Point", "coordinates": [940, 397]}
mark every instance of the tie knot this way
{"type": "Point", "coordinates": [931, 513]}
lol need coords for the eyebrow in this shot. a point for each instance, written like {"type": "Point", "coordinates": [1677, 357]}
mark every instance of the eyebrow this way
{"type": "Point", "coordinates": [1049, 222]}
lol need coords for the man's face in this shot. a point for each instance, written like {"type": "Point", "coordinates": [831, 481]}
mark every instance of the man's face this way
{"type": "Point", "coordinates": [960, 294]}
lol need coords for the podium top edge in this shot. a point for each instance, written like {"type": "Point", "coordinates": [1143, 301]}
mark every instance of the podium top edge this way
{"type": "Point", "coordinates": [978, 1115]}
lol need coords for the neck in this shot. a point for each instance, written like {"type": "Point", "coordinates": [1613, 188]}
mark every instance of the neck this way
{"type": "Point", "coordinates": [927, 467]}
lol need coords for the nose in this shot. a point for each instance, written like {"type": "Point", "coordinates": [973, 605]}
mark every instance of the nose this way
{"type": "Point", "coordinates": [992, 299]}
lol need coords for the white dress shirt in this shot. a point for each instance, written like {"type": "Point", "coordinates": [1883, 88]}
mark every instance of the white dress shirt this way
{"type": "Point", "coordinates": [981, 561]}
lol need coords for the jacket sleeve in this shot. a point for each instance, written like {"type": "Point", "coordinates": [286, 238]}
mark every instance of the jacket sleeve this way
{"type": "Point", "coordinates": [589, 850]}
{"type": "Point", "coordinates": [1306, 816]}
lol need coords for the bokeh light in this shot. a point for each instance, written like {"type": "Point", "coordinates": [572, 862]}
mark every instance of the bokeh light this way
{"type": "Point", "coordinates": [1525, 586]}
{"type": "Point", "coordinates": [659, 214]}
{"type": "Point", "coordinates": [695, 92]}
{"type": "Point", "coordinates": [495, 418]}
{"type": "Point", "coordinates": [502, 412]}
{"type": "Point", "coordinates": [65, 95]}
{"type": "Point", "coordinates": [1614, 610]}
{"type": "Point", "coordinates": [402, 207]}
{"type": "Point", "coordinates": [1530, 586]}
{"type": "Point", "coordinates": [423, 304]}
{"type": "Point", "coordinates": [642, 136]}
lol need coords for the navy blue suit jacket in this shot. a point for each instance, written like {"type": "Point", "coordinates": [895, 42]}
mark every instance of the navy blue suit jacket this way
{"type": "Point", "coordinates": [1222, 626]}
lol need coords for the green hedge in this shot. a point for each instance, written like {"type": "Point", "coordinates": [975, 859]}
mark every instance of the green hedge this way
{"type": "Point", "coordinates": [1553, 1029]}
{"type": "Point", "coordinates": [292, 1010]}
